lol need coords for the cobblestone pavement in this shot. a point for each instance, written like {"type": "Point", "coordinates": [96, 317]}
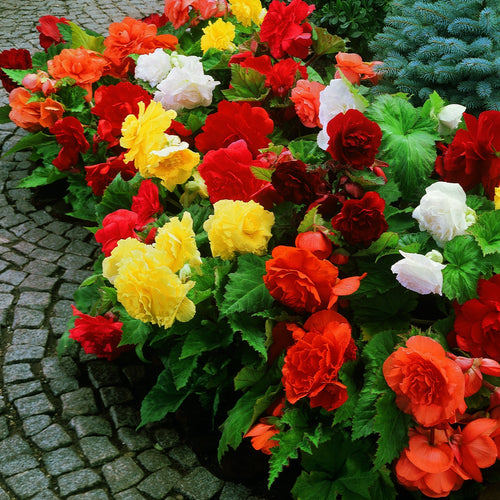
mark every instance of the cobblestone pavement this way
{"type": "Point", "coordinates": [67, 425]}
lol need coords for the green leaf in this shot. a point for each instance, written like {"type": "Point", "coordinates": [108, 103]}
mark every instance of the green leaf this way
{"type": "Point", "coordinates": [117, 195]}
{"type": "Point", "coordinates": [486, 232]}
{"type": "Point", "coordinates": [311, 219]}
{"type": "Point", "coordinates": [246, 410]}
{"type": "Point", "coordinates": [181, 368]}
{"type": "Point", "coordinates": [4, 114]}
{"type": "Point", "coordinates": [245, 291]}
{"type": "Point", "coordinates": [42, 176]}
{"type": "Point", "coordinates": [263, 174]}
{"type": "Point", "coordinates": [17, 75]}
{"type": "Point", "coordinates": [307, 151]}
{"type": "Point", "coordinates": [392, 425]}
{"type": "Point", "coordinates": [324, 43]}
{"type": "Point", "coordinates": [215, 59]}
{"type": "Point", "coordinates": [73, 98]}
{"type": "Point", "coordinates": [464, 268]}
{"type": "Point", "coordinates": [479, 203]}
{"type": "Point", "coordinates": [163, 398]}
{"type": "Point", "coordinates": [408, 142]}
{"type": "Point", "coordinates": [205, 335]}
{"type": "Point", "coordinates": [134, 330]}
{"type": "Point", "coordinates": [29, 141]}
{"type": "Point", "coordinates": [80, 38]}
{"type": "Point", "coordinates": [81, 198]}
{"type": "Point", "coordinates": [248, 376]}
{"type": "Point", "coordinates": [314, 486]}
{"type": "Point", "coordinates": [433, 106]}
{"type": "Point", "coordinates": [386, 241]}
{"type": "Point", "coordinates": [252, 330]}
{"type": "Point", "coordinates": [247, 85]}
{"type": "Point", "coordinates": [313, 75]}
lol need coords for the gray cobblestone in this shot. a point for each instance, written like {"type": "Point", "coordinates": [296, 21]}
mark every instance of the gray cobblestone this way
{"type": "Point", "coordinates": [91, 426]}
{"type": "Point", "coordinates": [71, 261]}
{"type": "Point", "coordinates": [17, 373]}
{"type": "Point", "coordinates": [124, 416]}
{"type": "Point", "coordinates": [122, 474]}
{"type": "Point", "coordinates": [33, 405]}
{"type": "Point", "coordinates": [115, 395]}
{"type": "Point", "coordinates": [17, 391]}
{"type": "Point", "coordinates": [60, 461]}
{"type": "Point", "coordinates": [184, 456]}
{"type": "Point", "coordinates": [4, 427]}
{"type": "Point", "coordinates": [18, 464]}
{"type": "Point", "coordinates": [98, 450]}
{"type": "Point", "coordinates": [13, 277]}
{"type": "Point", "coordinates": [53, 242]}
{"type": "Point", "coordinates": [159, 484]}
{"type": "Point", "coordinates": [34, 300]}
{"type": "Point", "coordinates": [26, 484]}
{"type": "Point", "coordinates": [90, 495]}
{"type": "Point", "coordinates": [27, 318]}
{"type": "Point", "coordinates": [152, 460]}
{"type": "Point", "coordinates": [102, 373]}
{"type": "Point", "coordinates": [32, 337]}
{"type": "Point", "coordinates": [38, 283]}
{"type": "Point", "coordinates": [33, 425]}
{"type": "Point", "coordinates": [15, 258]}
{"type": "Point", "coordinates": [79, 402]}
{"type": "Point", "coordinates": [200, 484]}
{"type": "Point", "coordinates": [46, 254]}
{"type": "Point", "coordinates": [34, 267]}
{"type": "Point", "coordinates": [131, 494]}
{"type": "Point", "coordinates": [18, 353]}
{"type": "Point", "coordinates": [75, 482]}
{"type": "Point", "coordinates": [13, 446]}
{"type": "Point", "coordinates": [24, 247]}
{"type": "Point", "coordinates": [134, 441]}
{"type": "Point", "coordinates": [54, 436]}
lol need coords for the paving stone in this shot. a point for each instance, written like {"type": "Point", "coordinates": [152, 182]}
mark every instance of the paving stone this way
{"type": "Point", "coordinates": [34, 300]}
{"type": "Point", "coordinates": [60, 386]}
{"type": "Point", "coordinates": [75, 482]}
{"type": "Point", "coordinates": [131, 494]}
{"type": "Point", "coordinates": [63, 460]}
{"type": "Point", "coordinates": [54, 436]}
{"type": "Point", "coordinates": [13, 277]}
{"type": "Point", "coordinates": [41, 217]}
{"type": "Point", "coordinates": [22, 352]}
{"type": "Point", "coordinates": [167, 438]}
{"type": "Point", "coordinates": [79, 402]}
{"type": "Point", "coordinates": [46, 495]}
{"type": "Point", "coordinates": [90, 495]}
{"type": "Point", "coordinates": [33, 425]}
{"type": "Point", "coordinates": [159, 484]}
{"type": "Point", "coordinates": [152, 460]}
{"type": "Point", "coordinates": [62, 309]}
{"type": "Point", "coordinates": [27, 318]}
{"type": "Point", "coordinates": [6, 288]}
{"type": "Point", "coordinates": [232, 491]}
{"type": "Point", "coordinates": [53, 242]}
{"type": "Point", "coordinates": [19, 372]}
{"type": "Point", "coordinates": [55, 367]}
{"type": "Point", "coordinates": [115, 395]}
{"type": "Point", "coordinates": [33, 405]}
{"type": "Point", "coordinates": [122, 474]}
{"type": "Point", "coordinates": [124, 416]}
{"type": "Point", "coordinates": [4, 427]}
{"type": "Point", "coordinates": [36, 337]}
{"type": "Point", "coordinates": [67, 290]}
{"type": "Point", "coordinates": [200, 484]}
{"type": "Point", "coordinates": [184, 455]}
{"type": "Point", "coordinates": [45, 254]}
{"type": "Point", "coordinates": [6, 300]}
{"type": "Point", "coordinates": [26, 484]}
{"type": "Point", "coordinates": [17, 391]}
{"type": "Point", "coordinates": [17, 464]}
{"type": "Point", "coordinates": [76, 275]}
{"type": "Point", "coordinates": [15, 258]}
{"type": "Point", "coordinates": [3, 495]}
{"type": "Point", "coordinates": [133, 440]}
{"type": "Point", "coordinates": [103, 373]}
{"type": "Point", "coordinates": [91, 426]}
{"type": "Point", "coordinates": [78, 233]}
{"type": "Point", "coordinates": [2, 405]}
{"type": "Point", "coordinates": [24, 247]}
{"type": "Point", "coordinates": [135, 374]}
{"type": "Point", "coordinates": [80, 248]}
{"type": "Point", "coordinates": [38, 283]}
{"type": "Point", "coordinates": [34, 267]}
{"type": "Point", "coordinates": [98, 449]}
{"type": "Point", "coordinates": [73, 261]}
{"type": "Point", "coordinates": [35, 234]}
{"type": "Point", "coordinates": [3, 265]}
{"type": "Point", "coordinates": [59, 326]}
{"type": "Point", "coordinates": [58, 227]}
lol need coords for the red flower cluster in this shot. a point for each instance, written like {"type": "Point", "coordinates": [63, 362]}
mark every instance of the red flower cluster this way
{"type": "Point", "coordinates": [284, 30]}
{"type": "Point", "coordinates": [99, 176]}
{"type": "Point", "coordinates": [362, 221]}
{"type": "Point", "coordinates": [99, 335]}
{"type": "Point", "coordinates": [299, 280]}
{"type": "Point", "coordinates": [473, 156]}
{"type": "Point", "coordinates": [146, 203]}
{"type": "Point", "coordinates": [233, 121]}
{"type": "Point", "coordinates": [49, 32]}
{"type": "Point", "coordinates": [477, 321]}
{"type": "Point", "coordinates": [428, 385]}
{"type": "Point", "coordinates": [313, 362]}
{"type": "Point", "coordinates": [353, 139]}
{"type": "Point", "coordinates": [69, 134]}
{"type": "Point", "coordinates": [13, 59]}
{"type": "Point", "coordinates": [473, 370]}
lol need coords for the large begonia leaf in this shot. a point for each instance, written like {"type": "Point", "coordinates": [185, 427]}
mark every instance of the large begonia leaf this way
{"type": "Point", "coordinates": [408, 142]}
{"type": "Point", "coordinates": [486, 232]}
{"type": "Point", "coordinates": [247, 85]}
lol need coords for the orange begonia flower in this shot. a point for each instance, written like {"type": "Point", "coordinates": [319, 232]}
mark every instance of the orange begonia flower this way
{"type": "Point", "coordinates": [305, 96]}
{"type": "Point", "coordinates": [23, 114]}
{"type": "Point", "coordinates": [82, 65]}
{"type": "Point", "coordinates": [50, 112]}
{"type": "Point", "coordinates": [354, 69]}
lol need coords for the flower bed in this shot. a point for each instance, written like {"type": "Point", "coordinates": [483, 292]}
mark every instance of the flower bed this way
{"type": "Point", "coordinates": [316, 263]}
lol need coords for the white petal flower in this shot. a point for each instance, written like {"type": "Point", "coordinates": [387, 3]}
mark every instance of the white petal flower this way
{"type": "Point", "coordinates": [173, 145]}
{"type": "Point", "coordinates": [154, 67]}
{"type": "Point", "coordinates": [419, 273]}
{"type": "Point", "coordinates": [449, 117]}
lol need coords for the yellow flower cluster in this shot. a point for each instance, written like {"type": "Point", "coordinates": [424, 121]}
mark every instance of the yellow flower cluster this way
{"type": "Point", "coordinates": [497, 198]}
{"type": "Point", "coordinates": [238, 227]}
{"type": "Point", "coordinates": [218, 35]}
{"type": "Point", "coordinates": [154, 153]}
{"type": "Point", "coordinates": [248, 11]}
{"type": "Point", "coordinates": [145, 276]}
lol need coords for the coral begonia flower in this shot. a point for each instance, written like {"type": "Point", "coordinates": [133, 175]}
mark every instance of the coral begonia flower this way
{"type": "Point", "coordinates": [261, 435]}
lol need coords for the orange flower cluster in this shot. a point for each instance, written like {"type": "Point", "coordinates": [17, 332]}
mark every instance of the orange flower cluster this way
{"type": "Point", "coordinates": [132, 36]}
{"type": "Point", "coordinates": [354, 69]}
{"type": "Point", "coordinates": [82, 65]}
{"type": "Point", "coordinates": [437, 461]}
{"type": "Point", "coordinates": [34, 115]}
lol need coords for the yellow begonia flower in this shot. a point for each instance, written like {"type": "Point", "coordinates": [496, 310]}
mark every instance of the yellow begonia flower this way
{"type": "Point", "coordinates": [151, 292]}
{"type": "Point", "coordinates": [175, 163]}
{"type": "Point", "coordinates": [126, 249]}
{"type": "Point", "coordinates": [176, 239]}
{"type": "Point", "coordinates": [194, 188]}
{"type": "Point", "coordinates": [145, 133]}
{"type": "Point", "coordinates": [238, 227]}
{"type": "Point", "coordinates": [497, 198]}
{"type": "Point", "coordinates": [218, 35]}
{"type": "Point", "coordinates": [247, 11]}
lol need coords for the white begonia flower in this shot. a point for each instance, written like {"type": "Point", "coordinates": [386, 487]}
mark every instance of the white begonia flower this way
{"type": "Point", "coordinates": [154, 67]}
{"type": "Point", "coordinates": [449, 117]}
{"type": "Point", "coordinates": [186, 87]}
{"type": "Point", "coordinates": [443, 212]}
{"type": "Point", "coordinates": [179, 61]}
{"type": "Point", "coordinates": [419, 273]}
{"type": "Point", "coordinates": [336, 98]}
{"type": "Point", "coordinates": [435, 255]}
{"type": "Point", "coordinates": [173, 145]}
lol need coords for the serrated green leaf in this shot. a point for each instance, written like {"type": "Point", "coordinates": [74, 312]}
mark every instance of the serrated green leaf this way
{"type": "Point", "coordinates": [479, 203]}
{"type": "Point", "coordinates": [42, 176]}
{"type": "Point", "coordinates": [248, 376]}
{"type": "Point", "coordinates": [311, 219]}
{"type": "Point", "coordinates": [392, 425]}
{"type": "Point", "coordinates": [252, 331]}
{"type": "Point", "coordinates": [181, 369]}
{"type": "Point", "coordinates": [464, 268]}
{"type": "Point", "coordinates": [80, 38]}
{"type": "Point", "coordinates": [245, 291]}
{"type": "Point", "coordinates": [205, 335]}
{"type": "Point", "coordinates": [315, 485]}
{"type": "Point", "coordinates": [73, 98]}
{"type": "Point", "coordinates": [163, 398]}
{"type": "Point", "coordinates": [486, 232]}
{"type": "Point", "coordinates": [408, 142]}
{"type": "Point", "coordinates": [17, 75]}
{"type": "Point", "coordinates": [264, 174]}
{"type": "Point", "coordinates": [350, 377]}
{"type": "Point", "coordinates": [247, 85]}
{"type": "Point", "coordinates": [385, 241]}
{"type": "Point", "coordinates": [29, 141]}
{"type": "Point", "coordinates": [81, 199]}
{"type": "Point", "coordinates": [134, 331]}
{"type": "Point", "coordinates": [307, 151]}
{"type": "Point", "coordinates": [4, 114]}
{"type": "Point", "coordinates": [313, 75]}
{"type": "Point", "coordinates": [117, 195]}
{"type": "Point", "coordinates": [215, 59]}
{"type": "Point", "coordinates": [324, 43]}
